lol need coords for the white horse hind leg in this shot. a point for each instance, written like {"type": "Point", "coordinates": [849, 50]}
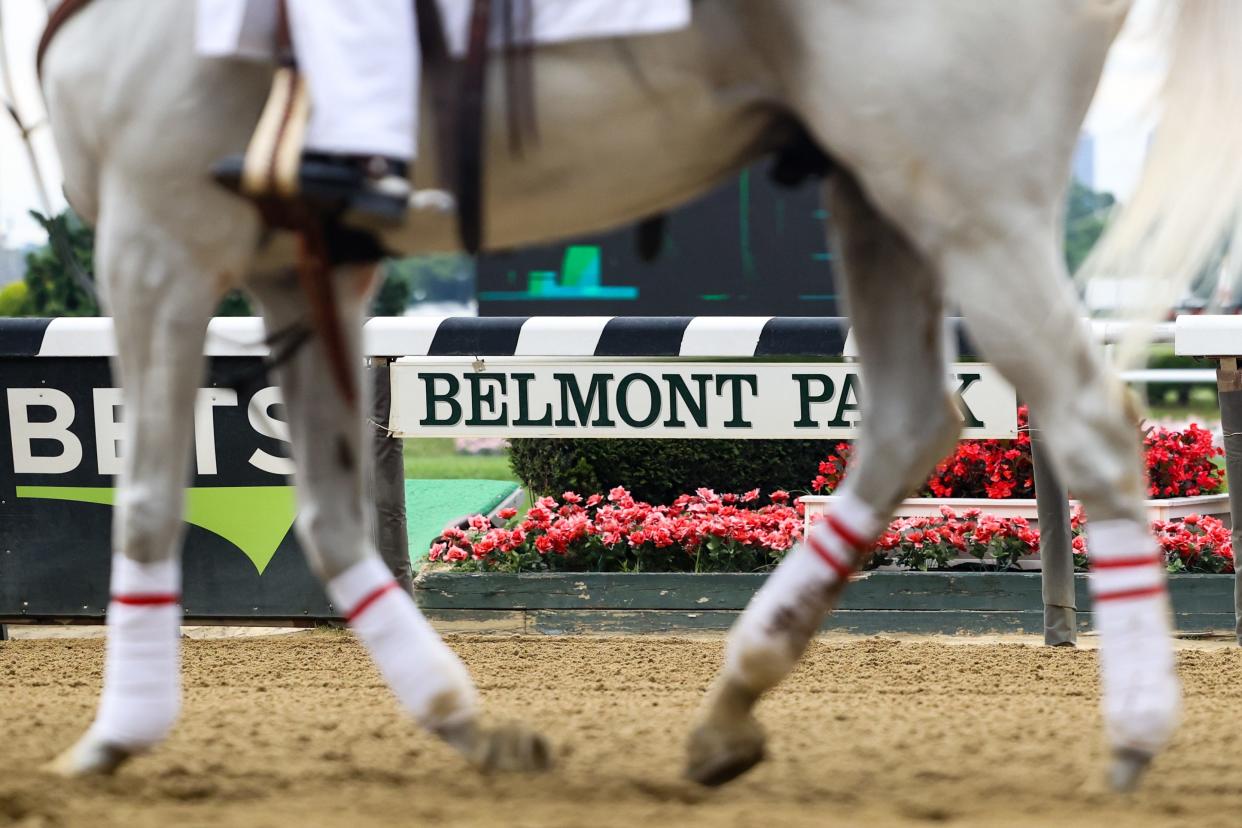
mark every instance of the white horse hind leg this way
{"type": "Point", "coordinates": [1021, 311]}
{"type": "Point", "coordinates": [161, 300]}
{"type": "Point", "coordinates": [333, 459]}
{"type": "Point", "coordinates": [908, 424]}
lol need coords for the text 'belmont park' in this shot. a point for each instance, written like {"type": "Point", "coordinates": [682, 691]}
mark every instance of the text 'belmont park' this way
{"type": "Point", "coordinates": [659, 399]}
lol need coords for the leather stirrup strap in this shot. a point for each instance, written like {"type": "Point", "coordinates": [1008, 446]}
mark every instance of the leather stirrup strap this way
{"type": "Point", "coordinates": [441, 75]}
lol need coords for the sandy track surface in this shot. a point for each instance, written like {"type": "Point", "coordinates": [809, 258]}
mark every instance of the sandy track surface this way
{"type": "Point", "coordinates": [298, 731]}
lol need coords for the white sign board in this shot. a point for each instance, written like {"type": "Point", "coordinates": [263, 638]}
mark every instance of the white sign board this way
{"type": "Point", "coordinates": [648, 397]}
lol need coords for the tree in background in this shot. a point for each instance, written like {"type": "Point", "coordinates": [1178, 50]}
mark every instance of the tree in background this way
{"type": "Point", "coordinates": [14, 299]}
{"type": "Point", "coordinates": [441, 277]}
{"type": "Point", "coordinates": [393, 295]}
{"type": "Point", "coordinates": [52, 288]}
{"type": "Point", "coordinates": [1086, 216]}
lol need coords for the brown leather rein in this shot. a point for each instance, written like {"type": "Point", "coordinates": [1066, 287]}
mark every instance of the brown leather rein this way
{"type": "Point", "coordinates": [58, 18]}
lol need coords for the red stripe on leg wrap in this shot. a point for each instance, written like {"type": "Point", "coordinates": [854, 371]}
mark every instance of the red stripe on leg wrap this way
{"type": "Point", "coordinates": [855, 541]}
{"type": "Point", "coordinates": [370, 599]}
{"type": "Point", "coordinates": [148, 599]}
{"type": "Point", "coordinates": [1145, 592]}
{"type": "Point", "coordinates": [841, 569]}
{"type": "Point", "coordinates": [1120, 563]}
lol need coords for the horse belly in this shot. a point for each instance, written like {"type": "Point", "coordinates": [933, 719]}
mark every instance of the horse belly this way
{"type": "Point", "coordinates": [621, 136]}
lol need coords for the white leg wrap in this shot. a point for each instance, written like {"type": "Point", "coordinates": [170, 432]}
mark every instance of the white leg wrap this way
{"type": "Point", "coordinates": [142, 674]}
{"type": "Point", "coordinates": [1138, 678]}
{"type": "Point", "coordinates": [427, 677]}
{"type": "Point", "coordinates": [771, 634]}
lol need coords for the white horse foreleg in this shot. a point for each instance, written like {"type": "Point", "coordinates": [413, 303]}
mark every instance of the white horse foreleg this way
{"type": "Point", "coordinates": [1022, 312]}
{"type": "Point", "coordinates": [909, 423]}
{"type": "Point", "coordinates": [333, 462]}
{"type": "Point", "coordinates": [161, 299]}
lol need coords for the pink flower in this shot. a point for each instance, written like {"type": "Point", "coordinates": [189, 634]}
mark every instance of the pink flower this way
{"type": "Point", "coordinates": [507, 513]}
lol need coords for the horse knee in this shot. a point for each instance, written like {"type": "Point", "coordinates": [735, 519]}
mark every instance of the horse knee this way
{"type": "Point", "coordinates": [900, 445]}
{"type": "Point", "coordinates": [148, 524]}
{"type": "Point", "coordinates": [1099, 454]}
{"type": "Point", "coordinates": [331, 543]}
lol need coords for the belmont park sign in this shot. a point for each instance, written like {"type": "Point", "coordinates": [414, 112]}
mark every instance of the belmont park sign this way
{"type": "Point", "coordinates": [594, 397]}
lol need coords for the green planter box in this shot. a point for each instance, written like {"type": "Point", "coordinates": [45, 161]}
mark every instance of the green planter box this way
{"type": "Point", "coordinates": [876, 602]}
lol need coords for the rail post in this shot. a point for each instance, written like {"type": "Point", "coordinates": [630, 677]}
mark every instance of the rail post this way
{"type": "Point", "coordinates": [388, 479]}
{"type": "Point", "coordinates": [1229, 389]}
{"type": "Point", "coordinates": [1056, 551]}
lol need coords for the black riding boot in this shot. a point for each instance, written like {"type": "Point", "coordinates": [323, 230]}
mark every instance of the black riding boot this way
{"type": "Point", "coordinates": [358, 189]}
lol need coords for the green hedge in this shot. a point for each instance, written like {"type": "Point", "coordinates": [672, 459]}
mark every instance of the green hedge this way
{"type": "Point", "coordinates": [1162, 356]}
{"type": "Point", "coordinates": [657, 471]}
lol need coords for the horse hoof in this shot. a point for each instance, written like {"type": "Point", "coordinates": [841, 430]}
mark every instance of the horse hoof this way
{"type": "Point", "coordinates": [512, 748]}
{"type": "Point", "coordinates": [721, 754]}
{"type": "Point", "coordinates": [88, 757]}
{"type": "Point", "coordinates": [509, 748]}
{"type": "Point", "coordinates": [1127, 768]}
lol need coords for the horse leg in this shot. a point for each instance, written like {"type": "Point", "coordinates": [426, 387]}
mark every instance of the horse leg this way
{"type": "Point", "coordinates": [978, 187]}
{"type": "Point", "coordinates": [333, 459]}
{"type": "Point", "coordinates": [1022, 312]}
{"type": "Point", "coordinates": [161, 297]}
{"type": "Point", "coordinates": [910, 422]}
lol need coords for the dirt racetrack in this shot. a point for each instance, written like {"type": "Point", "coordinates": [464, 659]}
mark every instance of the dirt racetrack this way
{"type": "Point", "coordinates": [297, 730]}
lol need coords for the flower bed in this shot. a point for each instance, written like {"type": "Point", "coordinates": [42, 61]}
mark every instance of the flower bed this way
{"type": "Point", "coordinates": [1193, 544]}
{"type": "Point", "coordinates": [1167, 508]}
{"type": "Point", "coordinates": [703, 532]}
{"type": "Point", "coordinates": [707, 532]}
{"type": "Point", "coordinates": [710, 532]}
{"type": "Point", "coordinates": [1179, 463]}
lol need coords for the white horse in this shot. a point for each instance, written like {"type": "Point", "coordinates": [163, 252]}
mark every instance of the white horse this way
{"type": "Point", "coordinates": [951, 125]}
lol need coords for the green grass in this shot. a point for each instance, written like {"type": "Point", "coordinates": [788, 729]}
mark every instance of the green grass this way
{"type": "Point", "coordinates": [1202, 405]}
{"type": "Point", "coordinates": [433, 458]}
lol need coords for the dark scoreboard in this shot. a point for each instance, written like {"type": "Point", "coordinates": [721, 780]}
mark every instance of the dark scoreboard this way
{"type": "Point", "coordinates": [748, 248]}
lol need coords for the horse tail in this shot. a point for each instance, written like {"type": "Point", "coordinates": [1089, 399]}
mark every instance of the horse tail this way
{"type": "Point", "coordinates": [1184, 214]}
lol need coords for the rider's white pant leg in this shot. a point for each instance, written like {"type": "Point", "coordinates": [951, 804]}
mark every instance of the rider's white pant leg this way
{"type": "Point", "coordinates": [362, 63]}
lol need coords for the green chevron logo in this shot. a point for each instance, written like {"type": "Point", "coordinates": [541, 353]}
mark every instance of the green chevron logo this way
{"type": "Point", "coordinates": [255, 519]}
